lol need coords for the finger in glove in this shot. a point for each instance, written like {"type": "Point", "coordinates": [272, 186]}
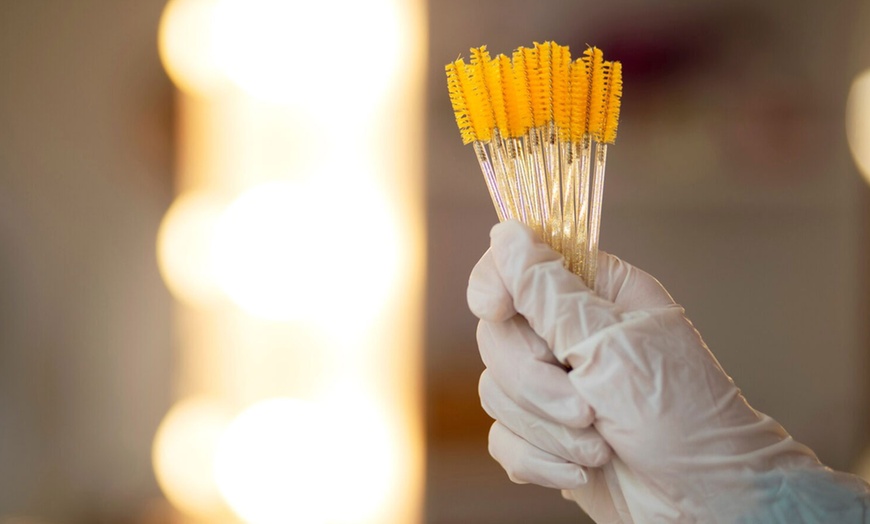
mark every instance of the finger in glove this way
{"type": "Point", "coordinates": [526, 464]}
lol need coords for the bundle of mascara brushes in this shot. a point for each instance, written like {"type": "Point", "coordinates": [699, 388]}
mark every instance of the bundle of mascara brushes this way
{"type": "Point", "coordinates": [540, 124]}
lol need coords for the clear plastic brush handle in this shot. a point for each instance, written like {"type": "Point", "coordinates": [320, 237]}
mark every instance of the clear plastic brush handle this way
{"type": "Point", "coordinates": [569, 171]}
{"type": "Point", "coordinates": [488, 170]}
{"type": "Point", "coordinates": [553, 168]}
{"type": "Point", "coordinates": [595, 215]}
{"type": "Point", "coordinates": [538, 169]}
{"type": "Point", "coordinates": [516, 157]}
{"type": "Point", "coordinates": [526, 170]}
{"type": "Point", "coordinates": [581, 205]}
{"type": "Point", "coordinates": [506, 180]}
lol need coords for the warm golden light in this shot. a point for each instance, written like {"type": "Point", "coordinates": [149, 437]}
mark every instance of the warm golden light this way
{"type": "Point", "coordinates": [184, 248]}
{"type": "Point", "coordinates": [187, 45]}
{"type": "Point", "coordinates": [858, 122]}
{"type": "Point", "coordinates": [183, 455]}
{"type": "Point", "coordinates": [290, 52]}
{"type": "Point", "coordinates": [286, 460]}
{"type": "Point", "coordinates": [311, 250]}
{"type": "Point", "coordinates": [366, 448]}
{"type": "Point", "coordinates": [271, 463]}
{"type": "Point", "coordinates": [297, 247]}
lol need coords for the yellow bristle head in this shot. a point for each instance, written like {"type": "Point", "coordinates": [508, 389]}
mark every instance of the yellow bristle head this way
{"type": "Point", "coordinates": [614, 101]}
{"type": "Point", "coordinates": [459, 102]}
{"type": "Point", "coordinates": [479, 55]}
{"type": "Point", "coordinates": [561, 90]}
{"type": "Point", "coordinates": [530, 64]}
{"type": "Point", "coordinates": [597, 92]}
{"type": "Point", "coordinates": [479, 117]}
{"type": "Point", "coordinates": [499, 107]}
{"type": "Point", "coordinates": [481, 101]}
{"type": "Point", "coordinates": [541, 83]}
{"type": "Point", "coordinates": [491, 74]}
{"type": "Point", "coordinates": [522, 89]}
{"type": "Point", "coordinates": [579, 99]}
{"type": "Point", "coordinates": [535, 87]}
{"type": "Point", "coordinates": [513, 124]}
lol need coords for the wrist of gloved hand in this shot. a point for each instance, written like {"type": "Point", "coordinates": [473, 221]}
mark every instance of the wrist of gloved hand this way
{"type": "Point", "coordinates": [583, 377]}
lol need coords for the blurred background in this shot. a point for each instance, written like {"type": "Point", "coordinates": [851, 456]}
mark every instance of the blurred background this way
{"type": "Point", "coordinates": [236, 238]}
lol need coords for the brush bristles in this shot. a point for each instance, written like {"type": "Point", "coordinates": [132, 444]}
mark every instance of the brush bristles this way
{"type": "Point", "coordinates": [479, 115]}
{"type": "Point", "coordinates": [536, 87]}
{"type": "Point", "coordinates": [459, 103]}
{"type": "Point", "coordinates": [556, 116]}
{"type": "Point", "coordinates": [495, 84]}
{"type": "Point", "coordinates": [598, 73]}
{"type": "Point", "coordinates": [533, 81]}
{"type": "Point", "coordinates": [561, 91]}
{"type": "Point", "coordinates": [542, 88]}
{"type": "Point", "coordinates": [614, 100]}
{"type": "Point", "coordinates": [490, 95]}
{"type": "Point", "coordinates": [579, 99]}
{"type": "Point", "coordinates": [482, 115]}
{"type": "Point", "coordinates": [521, 84]}
{"type": "Point", "coordinates": [513, 121]}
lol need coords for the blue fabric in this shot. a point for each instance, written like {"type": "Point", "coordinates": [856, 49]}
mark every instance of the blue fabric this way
{"type": "Point", "coordinates": [810, 497]}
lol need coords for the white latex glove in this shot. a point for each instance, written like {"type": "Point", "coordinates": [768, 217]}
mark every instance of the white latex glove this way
{"type": "Point", "coordinates": [614, 398]}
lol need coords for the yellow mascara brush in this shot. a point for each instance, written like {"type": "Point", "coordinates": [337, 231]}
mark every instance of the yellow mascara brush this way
{"type": "Point", "coordinates": [539, 100]}
{"type": "Point", "coordinates": [564, 86]}
{"type": "Point", "coordinates": [574, 230]}
{"type": "Point", "coordinates": [562, 183]}
{"type": "Point", "coordinates": [511, 128]}
{"type": "Point", "coordinates": [487, 75]}
{"type": "Point", "coordinates": [528, 87]}
{"type": "Point", "coordinates": [474, 126]}
{"type": "Point", "coordinates": [540, 124]}
{"type": "Point", "coordinates": [603, 130]}
{"type": "Point", "coordinates": [614, 102]}
{"type": "Point", "coordinates": [542, 109]}
{"type": "Point", "coordinates": [520, 122]}
{"type": "Point", "coordinates": [587, 82]}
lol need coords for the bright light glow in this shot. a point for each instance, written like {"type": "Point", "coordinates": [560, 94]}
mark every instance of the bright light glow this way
{"type": "Point", "coordinates": [303, 119]}
{"type": "Point", "coordinates": [314, 250]}
{"type": "Point", "coordinates": [186, 41]}
{"type": "Point", "coordinates": [858, 122]}
{"type": "Point", "coordinates": [184, 248]}
{"type": "Point", "coordinates": [366, 450]}
{"type": "Point", "coordinates": [183, 456]}
{"type": "Point", "coordinates": [308, 53]}
{"type": "Point", "coordinates": [269, 464]}
{"type": "Point", "coordinates": [287, 460]}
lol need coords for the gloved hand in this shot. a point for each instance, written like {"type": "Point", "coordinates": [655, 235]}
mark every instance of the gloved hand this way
{"type": "Point", "coordinates": [613, 397]}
